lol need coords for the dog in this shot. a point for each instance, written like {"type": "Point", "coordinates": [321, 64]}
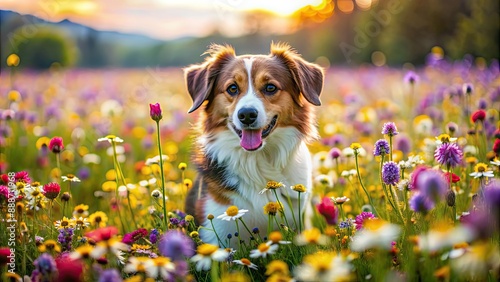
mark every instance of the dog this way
{"type": "Point", "coordinates": [256, 115]}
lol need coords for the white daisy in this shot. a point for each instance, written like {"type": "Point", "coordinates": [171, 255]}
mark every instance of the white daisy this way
{"type": "Point", "coordinates": [481, 170]}
{"type": "Point", "coordinates": [71, 178]}
{"type": "Point", "coordinates": [263, 250]}
{"type": "Point", "coordinates": [340, 200]}
{"type": "Point", "coordinates": [232, 213]}
{"type": "Point", "coordinates": [136, 265]}
{"type": "Point", "coordinates": [206, 253]}
{"type": "Point", "coordinates": [156, 159]}
{"type": "Point", "coordinates": [159, 267]}
{"type": "Point", "coordinates": [111, 139]}
{"type": "Point", "coordinates": [376, 233]}
{"type": "Point", "coordinates": [311, 236]}
{"type": "Point", "coordinates": [324, 266]}
{"type": "Point", "coordinates": [246, 262]}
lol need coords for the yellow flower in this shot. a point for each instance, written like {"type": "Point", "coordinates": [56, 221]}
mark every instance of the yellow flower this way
{"type": "Point", "coordinates": [188, 183]}
{"type": "Point", "coordinates": [277, 266]}
{"type": "Point", "coordinates": [98, 219]}
{"type": "Point", "coordinates": [81, 211]}
{"type": "Point", "coordinates": [299, 188]}
{"type": "Point", "coordinates": [13, 60]}
{"type": "Point", "coordinates": [311, 236]}
{"type": "Point", "coordinates": [182, 166]}
{"type": "Point", "coordinates": [49, 245]}
{"type": "Point", "coordinates": [355, 146]}
{"type": "Point", "coordinates": [14, 95]}
{"type": "Point", "coordinates": [271, 208]}
{"type": "Point", "coordinates": [81, 252]}
{"type": "Point", "coordinates": [64, 223]}
{"type": "Point", "coordinates": [235, 277]}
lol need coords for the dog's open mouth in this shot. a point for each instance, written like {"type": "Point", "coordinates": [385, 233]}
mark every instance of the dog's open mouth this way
{"type": "Point", "coordinates": [251, 139]}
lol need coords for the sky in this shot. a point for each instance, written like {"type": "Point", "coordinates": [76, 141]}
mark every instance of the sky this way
{"type": "Point", "coordinates": [163, 19]}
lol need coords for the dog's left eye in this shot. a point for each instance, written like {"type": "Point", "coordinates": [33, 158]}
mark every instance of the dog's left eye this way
{"type": "Point", "coordinates": [270, 89]}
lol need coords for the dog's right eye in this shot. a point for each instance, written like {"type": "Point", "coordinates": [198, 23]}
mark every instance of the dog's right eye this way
{"type": "Point", "coordinates": [232, 89]}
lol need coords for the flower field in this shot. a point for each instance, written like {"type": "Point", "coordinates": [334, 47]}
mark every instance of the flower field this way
{"type": "Point", "coordinates": [95, 167]}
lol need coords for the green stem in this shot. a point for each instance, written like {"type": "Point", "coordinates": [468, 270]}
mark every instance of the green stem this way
{"type": "Point", "coordinates": [216, 235]}
{"type": "Point", "coordinates": [117, 197]}
{"type": "Point", "coordinates": [248, 229]}
{"type": "Point", "coordinates": [300, 220]}
{"type": "Point", "coordinates": [281, 206]}
{"type": "Point", "coordinates": [162, 176]}
{"type": "Point", "coordinates": [362, 185]}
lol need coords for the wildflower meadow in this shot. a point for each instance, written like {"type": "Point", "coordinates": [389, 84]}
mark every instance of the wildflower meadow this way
{"type": "Point", "coordinates": [95, 167]}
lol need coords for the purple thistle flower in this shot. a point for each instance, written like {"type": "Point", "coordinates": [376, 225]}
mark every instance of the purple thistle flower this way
{"type": "Point", "coordinates": [390, 173]}
{"type": "Point", "coordinates": [432, 184]}
{"type": "Point", "coordinates": [420, 203]}
{"type": "Point", "coordinates": [448, 154]}
{"type": "Point", "coordinates": [411, 77]}
{"type": "Point", "coordinates": [390, 129]}
{"type": "Point", "coordinates": [360, 218]}
{"type": "Point", "coordinates": [176, 245]}
{"type": "Point", "coordinates": [110, 275]}
{"type": "Point", "coordinates": [45, 268]}
{"type": "Point", "coordinates": [381, 147]}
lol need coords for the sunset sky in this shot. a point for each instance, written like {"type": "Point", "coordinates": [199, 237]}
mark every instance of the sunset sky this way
{"type": "Point", "coordinates": [164, 19]}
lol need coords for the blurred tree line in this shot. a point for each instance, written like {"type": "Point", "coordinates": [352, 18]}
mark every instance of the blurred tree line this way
{"type": "Point", "coordinates": [403, 30]}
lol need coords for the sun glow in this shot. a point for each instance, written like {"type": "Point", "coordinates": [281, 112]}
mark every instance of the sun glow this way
{"type": "Point", "coordinates": [283, 8]}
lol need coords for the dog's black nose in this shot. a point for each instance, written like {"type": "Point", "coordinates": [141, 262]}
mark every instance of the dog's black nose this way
{"type": "Point", "coordinates": [247, 116]}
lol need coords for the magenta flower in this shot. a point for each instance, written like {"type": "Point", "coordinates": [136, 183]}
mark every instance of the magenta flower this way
{"type": "Point", "coordinates": [335, 153]}
{"type": "Point", "coordinates": [328, 210]}
{"type": "Point", "coordinates": [4, 192]}
{"type": "Point", "coordinates": [448, 154]}
{"type": "Point", "coordinates": [56, 145]}
{"type": "Point", "coordinates": [361, 218]}
{"type": "Point", "coordinates": [155, 112]}
{"type": "Point", "coordinates": [51, 190]}
{"type": "Point", "coordinates": [22, 176]}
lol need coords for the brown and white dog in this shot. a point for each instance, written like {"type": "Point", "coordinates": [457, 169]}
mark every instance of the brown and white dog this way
{"type": "Point", "coordinates": [257, 116]}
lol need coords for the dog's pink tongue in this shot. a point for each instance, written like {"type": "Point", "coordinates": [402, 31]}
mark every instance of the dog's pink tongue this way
{"type": "Point", "coordinates": [251, 139]}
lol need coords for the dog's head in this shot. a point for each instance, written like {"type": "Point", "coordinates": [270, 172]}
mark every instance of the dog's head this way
{"type": "Point", "coordinates": [252, 95]}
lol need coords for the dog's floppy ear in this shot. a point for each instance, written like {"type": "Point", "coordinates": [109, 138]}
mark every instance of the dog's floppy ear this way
{"type": "Point", "coordinates": [200, 79]}
{"type": "Point", "coordinates": [307, 76]}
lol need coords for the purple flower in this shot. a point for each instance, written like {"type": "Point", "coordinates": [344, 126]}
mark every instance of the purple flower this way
{"type": "Point", "coordinates": [448, 154]}
{"type": "Point", "coordinates": [65, 238]}
{"type": "Point", "coordinates": [176, 245]}
{"type": "Point", "coordinates": [153, 236]}
{"type": "Point", "coordinates": [420, 203]}
{"type": "Point", "coordinates": [411, 77]}
{"type": "Point", "coordinates": [467, 88]}
{"type": "Point", "coordinates": [381, 147]}
{"type": "Point", "coordinates": [45, 268]}
{"type": "Point", "coordinates": [452, 127]}
{"type": "Point", "coordinates": [390, 173]}
{"type": "Point", "coordinates": [432, 184]}
{"type": "Point", "coordinates": [403, 144]}
{"type": "Point", "coordinates": [360, 219]}
{"type": "Point", "coordinates": [390, 129]}
{"type": "Point", "coordinates": [110, 275]}
{"type": "Point", "coordinates": [155, 112]}
{"type": "Point", "coordinates": [335, 153]}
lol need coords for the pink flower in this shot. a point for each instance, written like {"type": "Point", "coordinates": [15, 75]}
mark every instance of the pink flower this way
{"type": "Point", "coordinates": [478, 115]}
{"type": "Point", "coordinates": [328, 210]}
{"type": "Point", "coordinates": [155, 112]}
{"type": "Point", "coordinates": [361, 218]}
{"type": "Point", "coordinates": [56, 145]}
{"type": "Point", "coordinates": [51, 190]}
{"type": "Point", "coordinates": [102, 234]}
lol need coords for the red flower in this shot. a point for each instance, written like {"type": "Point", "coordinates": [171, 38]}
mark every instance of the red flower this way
{"type": "Point", "coordinates": [478, 115]}
{"type": "Point", "coordinates": [102, 234]}
{"type": "Point", "coordinates": [155, 112]}
{"type": "Point", "coordinates": [4, 255]}
{"type": "Point", "coordinates": [454, 178]}
{"type": "Point", "coordinates": [51, 190]}
{"type": "Point", "coordinates": [69, 269]}
{"type": "Point", "coordinates": [496, 146]}
{"type": "Point", "coordinates": [328, 210]}
{"type": "Point", "coordinates": [5, 179]}
{"type": "Point", "coordinates": [56, 145]}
